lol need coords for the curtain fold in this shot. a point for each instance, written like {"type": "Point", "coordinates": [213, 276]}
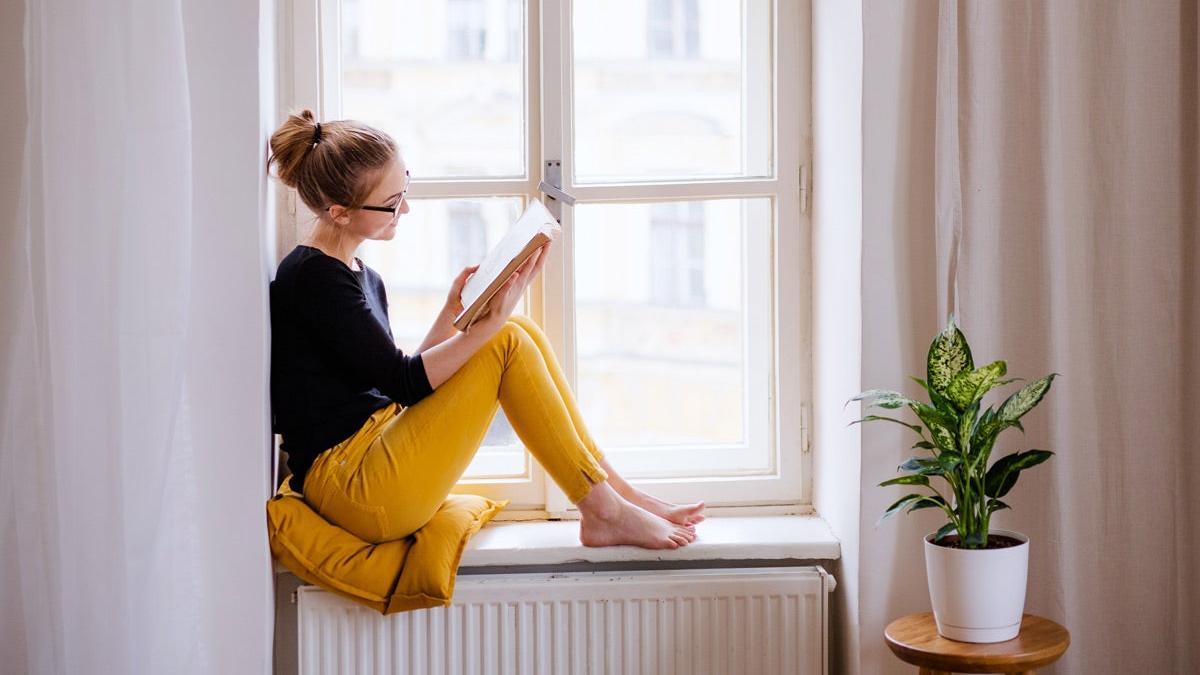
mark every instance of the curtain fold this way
{"type": "Point", "coordinates": [1061, 224]}
{"type": "Point", "coordinates": [108, 542]}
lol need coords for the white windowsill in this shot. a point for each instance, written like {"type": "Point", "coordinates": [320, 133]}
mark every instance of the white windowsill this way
{"type": "Point", "coordinates": [556, 542]}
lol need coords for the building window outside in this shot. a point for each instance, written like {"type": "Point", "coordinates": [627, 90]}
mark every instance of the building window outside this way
{"type": "Point", "coordinates": [677, 254]}
{"type": "Point", "coordinates": [467, 34]}
{"type": "Point", "coordinates": [673, 29]}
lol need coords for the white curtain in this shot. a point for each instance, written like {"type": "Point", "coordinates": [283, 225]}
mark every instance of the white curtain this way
{"type": "Point", "coordinates": [1038, 175]}
{"type": "Point", "coordinates": [129, 541]}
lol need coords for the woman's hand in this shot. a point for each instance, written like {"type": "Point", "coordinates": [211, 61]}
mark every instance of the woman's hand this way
{"type": "Point", "coordinates": [500, 307]}
{"type": "Point", "coordinates": [454, 305]}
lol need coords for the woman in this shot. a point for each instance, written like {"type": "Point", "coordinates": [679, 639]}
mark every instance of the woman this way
{"type": "Point", "coordinates": [376, 438]}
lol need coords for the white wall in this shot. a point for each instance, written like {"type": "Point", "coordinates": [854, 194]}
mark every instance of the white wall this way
{"type": "Point", "coordinates": [837, 226]}
{"type": "Point", "coordinates": [899, 300]}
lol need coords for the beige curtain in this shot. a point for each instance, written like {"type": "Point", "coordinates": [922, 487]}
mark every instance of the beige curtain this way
{"type": "Point", "coordinates": [1054, 211]}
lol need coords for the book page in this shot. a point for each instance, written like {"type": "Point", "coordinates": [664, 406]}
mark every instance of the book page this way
{"type": "Point", "coordinates": [535, 220]}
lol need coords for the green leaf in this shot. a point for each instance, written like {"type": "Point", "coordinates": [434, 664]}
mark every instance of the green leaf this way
{"type": "Point", "coordinates": [900, 504]}
{"type": "Point", "coordinates": [969, 386]}
{"type": "Point", "coordinates": [914, 500]}
{"type": "Point", "coordinates": [923, 465]}
{"type": "Point", "coordinates": [871, 418]}
{"type": "Point", "coordinates": [882, 398]}
{"type": "Point", "coordinates": [996, 505]}
{"type": "Point", "coordinates": [940, 425]}
{"type": "Point", "coordinates": [929, 502]}
{"type": "Point", "coordinates": [913, 479]}
{"type": "Point", "coordinates": [949, 355]}
{"type": "Point", "coordinates": [948, 461]}
{"type": "Point", "coordinates": [943, 531]}
{"type": "Point", "coordinates": [1024, 400]}
{"type": "Point", "coordinates": [924, 445]}
{"type": "Point", "coordinates": [1003, 475]}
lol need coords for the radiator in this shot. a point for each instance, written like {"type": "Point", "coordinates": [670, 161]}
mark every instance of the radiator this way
{"type": "Point", "coordinates": [755, 621]}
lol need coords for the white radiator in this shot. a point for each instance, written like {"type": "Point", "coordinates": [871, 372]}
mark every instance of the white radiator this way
{"type": "Point", "coordinates": [687, 622]}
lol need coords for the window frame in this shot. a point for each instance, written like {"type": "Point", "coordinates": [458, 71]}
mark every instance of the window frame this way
{"type": "Point", "coordinates": [305, 25]}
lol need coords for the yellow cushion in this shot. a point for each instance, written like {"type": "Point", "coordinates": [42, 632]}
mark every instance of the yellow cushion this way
{"type": "Point", "coordinates": [415, 572]}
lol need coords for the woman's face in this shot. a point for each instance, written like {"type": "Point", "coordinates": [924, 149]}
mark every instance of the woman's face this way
{"type": "Point", "coordinates": [390, 192]}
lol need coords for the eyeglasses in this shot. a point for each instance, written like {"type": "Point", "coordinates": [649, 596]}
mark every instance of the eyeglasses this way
{"type": "Point", "coordinates": [394, 210]}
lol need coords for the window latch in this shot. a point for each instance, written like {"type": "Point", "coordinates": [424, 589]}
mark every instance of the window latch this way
{"type": "Point", "coordinates": [551, 186]}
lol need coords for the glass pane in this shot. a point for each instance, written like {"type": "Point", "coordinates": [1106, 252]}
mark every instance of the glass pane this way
{"type": "Point", "coordinates": [433, 242]}
{"type": "Point", "coordinates": [672, 89]}
{"type": "Point", "coordinates": [662, 317]}
{"type": "Point", "coordinates": [445, 78]}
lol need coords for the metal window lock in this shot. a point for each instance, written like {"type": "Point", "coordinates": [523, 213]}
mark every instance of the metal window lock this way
{"type": "Point", "coordinates": [551, 186]}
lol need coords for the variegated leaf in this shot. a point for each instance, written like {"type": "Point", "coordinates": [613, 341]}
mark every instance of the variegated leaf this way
{"type": "Point", "coordinates": [940, 426]}
{"type": "Point", "coordinates": [949, 355]}
{"type": "Point", "coordinates": [871, 418]}
{"type": "Point", "coordinates": [913, 479]}
{"type": "Point", "coordinates": [1024, 400]}
{"type": "Point", "coordinates": [928, 502]}
{"type": "Point", "coordinates": [948, 461]}
{"type": "Point", "coordinates": [924, 465]}
{"type": "Point", "coordinates": [968, 387]}
{"type": "Point", "coordinates": [882, 398]}
{"type": "Point", "coordinates": [943, 531]}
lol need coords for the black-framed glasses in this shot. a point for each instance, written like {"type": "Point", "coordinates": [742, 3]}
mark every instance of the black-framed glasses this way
{"type": "Point", "coordinates": [394, 210]}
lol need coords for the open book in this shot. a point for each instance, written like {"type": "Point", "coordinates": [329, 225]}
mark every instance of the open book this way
{"type": "Point", "coordinates": [535, 227]}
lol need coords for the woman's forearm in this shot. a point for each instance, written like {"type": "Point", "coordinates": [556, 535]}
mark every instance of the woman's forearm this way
{"type": "Point", "coordinates": [442, 329]}
{"type": "Point", "coordinates": [445, 358]}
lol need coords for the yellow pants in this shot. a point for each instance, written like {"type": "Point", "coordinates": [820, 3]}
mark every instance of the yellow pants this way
{"type": "Point", "coordinates": [390, 477]}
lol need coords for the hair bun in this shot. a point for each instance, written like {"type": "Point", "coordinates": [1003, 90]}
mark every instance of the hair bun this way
{"type": "Point", "coordinates": [290, 142]}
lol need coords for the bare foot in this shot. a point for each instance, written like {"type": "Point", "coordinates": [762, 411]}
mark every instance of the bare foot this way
{"type": "Point", "coordinates": [626, 523]}
{"type": "Point", "coordinates": [682, 514]}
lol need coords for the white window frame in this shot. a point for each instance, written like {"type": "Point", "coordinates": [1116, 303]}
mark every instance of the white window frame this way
{"type": "Point", "coordinates": [786, 488]}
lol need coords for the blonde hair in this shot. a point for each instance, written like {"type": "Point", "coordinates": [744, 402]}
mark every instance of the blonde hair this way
{"type": "Point", "coordinates": [329, 163]}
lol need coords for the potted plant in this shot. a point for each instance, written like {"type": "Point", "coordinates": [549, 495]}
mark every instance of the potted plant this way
{"type": "Point", "coordinates": [976, 575]}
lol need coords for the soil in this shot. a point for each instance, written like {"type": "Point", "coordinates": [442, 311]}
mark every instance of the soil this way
{"type": "Point", "coordinates": [994, 541]}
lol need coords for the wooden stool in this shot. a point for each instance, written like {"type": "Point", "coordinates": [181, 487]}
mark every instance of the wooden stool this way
{"type": "Point", "coordinates": [914, 638]}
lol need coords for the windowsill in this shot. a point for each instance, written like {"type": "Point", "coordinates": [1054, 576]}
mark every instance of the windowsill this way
{"type": "Point", "coordinates": [556, 542]}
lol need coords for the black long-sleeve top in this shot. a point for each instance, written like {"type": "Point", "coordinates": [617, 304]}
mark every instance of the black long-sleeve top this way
{"type": "Point", "coordinates": [333, 358]}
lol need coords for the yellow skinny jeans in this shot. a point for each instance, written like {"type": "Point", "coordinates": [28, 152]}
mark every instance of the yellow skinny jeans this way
{"type": "Point", "coordinates": [390, 477]}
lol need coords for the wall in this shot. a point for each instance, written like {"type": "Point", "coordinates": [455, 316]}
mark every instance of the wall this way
{"type": "Point", "coordinates": [837, 224]}
{"type": "Point", "coordinates": [899, 298]}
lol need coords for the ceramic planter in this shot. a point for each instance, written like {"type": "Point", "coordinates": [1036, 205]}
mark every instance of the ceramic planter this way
{"type": "Point", "coordinates": [978, 595]}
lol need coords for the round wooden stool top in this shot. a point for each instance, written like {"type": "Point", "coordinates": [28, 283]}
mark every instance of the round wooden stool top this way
{"type": "Point", "coordinates": [914, 638]}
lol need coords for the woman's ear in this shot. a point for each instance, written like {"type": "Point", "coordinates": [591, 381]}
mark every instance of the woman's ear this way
{"type": "Point", "coordinates": [339, 214]}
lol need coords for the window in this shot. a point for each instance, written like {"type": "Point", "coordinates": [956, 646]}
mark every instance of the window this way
{"type": "Point", "coordinates": [677, 300]}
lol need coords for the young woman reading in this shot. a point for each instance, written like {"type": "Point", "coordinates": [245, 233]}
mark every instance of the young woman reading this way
{"type": "Point", "coordinates": [376, 438]}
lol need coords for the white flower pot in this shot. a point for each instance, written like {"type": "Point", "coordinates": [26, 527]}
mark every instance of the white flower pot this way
{"type": "Point", "coordinates": [978, 595]}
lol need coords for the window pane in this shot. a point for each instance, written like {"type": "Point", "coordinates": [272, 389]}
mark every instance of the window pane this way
{"type": "Point", "coordinates": [444, 77]}
{"type": "Point", "coordinates": [671, 89]}
{"type": "Point", "coordinates": [433, 242]}
{"type": "Point", "coordinates": [666, 297]}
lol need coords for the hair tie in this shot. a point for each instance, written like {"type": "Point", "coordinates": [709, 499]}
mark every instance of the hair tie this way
{"type": "Point", "coordinates": [317, 134]}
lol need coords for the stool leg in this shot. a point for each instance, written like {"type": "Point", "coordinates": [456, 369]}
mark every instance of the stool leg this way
{"type": "Point", "coordinates": [927, 671]}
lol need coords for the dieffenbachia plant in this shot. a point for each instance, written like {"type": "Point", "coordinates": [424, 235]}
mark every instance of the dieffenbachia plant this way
{"type": "Point", "coordinates": [959, 438]}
